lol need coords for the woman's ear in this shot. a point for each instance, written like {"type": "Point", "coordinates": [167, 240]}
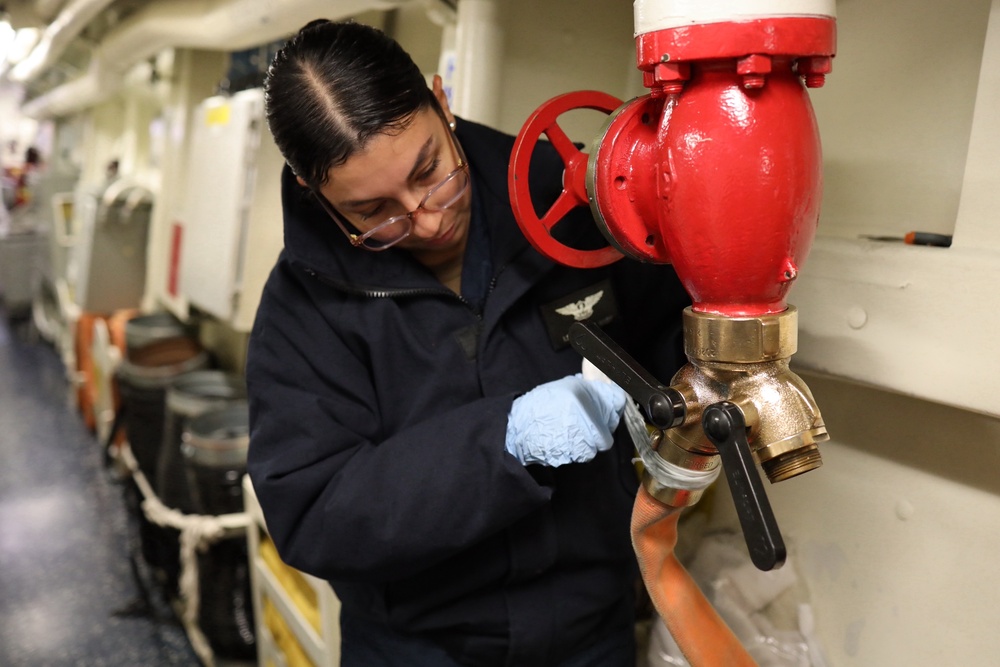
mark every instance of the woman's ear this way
{"type": "Point", "coordinates": [437, 87]}
{"type": "Point", "coordinates": [301, 182]}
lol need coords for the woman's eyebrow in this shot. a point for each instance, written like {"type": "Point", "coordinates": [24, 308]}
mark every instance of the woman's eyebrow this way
{"type": "Point", "coordinates": [422, 156]}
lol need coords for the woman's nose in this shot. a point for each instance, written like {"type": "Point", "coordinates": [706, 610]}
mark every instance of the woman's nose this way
{"type": "Point", "coordinates": [426, 224]}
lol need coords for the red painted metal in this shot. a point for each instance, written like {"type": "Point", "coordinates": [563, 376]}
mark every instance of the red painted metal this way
{"type": "Point", "coordinates": [780, 36]}
{"type": "Point", "coordinates": [537, 228]}
{"type": "Point", "coordinates": [629, 187]}
{"type": "Point", "coordinates": [718, 170]}
{"type": "Point", "coordinates": [745, 168]}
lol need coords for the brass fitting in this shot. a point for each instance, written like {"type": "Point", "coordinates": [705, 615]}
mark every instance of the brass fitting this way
{"type": "Point", "coordinates": [744, 360]}
{"type": "Point", "coordinates": [667, 490]}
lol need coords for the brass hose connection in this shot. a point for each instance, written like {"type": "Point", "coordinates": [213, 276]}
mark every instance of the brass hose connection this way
{"type": "Point", "coordinates": [735, 405]}
{"type": "Point", "coordinates": [744, 360]}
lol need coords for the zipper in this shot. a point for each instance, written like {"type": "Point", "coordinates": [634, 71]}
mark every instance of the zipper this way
{"type": "Point", "coordinates": [376, 293]}
{"type": "Point", "coordinates": [404, 292]}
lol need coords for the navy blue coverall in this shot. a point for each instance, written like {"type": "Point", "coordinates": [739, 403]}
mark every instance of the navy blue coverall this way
{"type": "Point", "coordinates": [379, 402]}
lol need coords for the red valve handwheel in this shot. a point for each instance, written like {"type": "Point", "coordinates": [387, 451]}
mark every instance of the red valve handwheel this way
{"type": "Point", "coordinates": [574, 192]}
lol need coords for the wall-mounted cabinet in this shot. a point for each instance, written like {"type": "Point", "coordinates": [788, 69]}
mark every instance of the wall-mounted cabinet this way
{"type": "Point", "coordinates": [227, 231]}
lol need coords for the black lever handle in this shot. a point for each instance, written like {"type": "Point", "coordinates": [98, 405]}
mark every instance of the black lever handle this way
{"type": "Point", "coordinates": [664, 407]}
{"type": "Point", "coordinates": [726, 428]}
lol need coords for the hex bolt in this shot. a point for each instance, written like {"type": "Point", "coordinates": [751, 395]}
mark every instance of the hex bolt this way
{"type": "Point", "coordinates": [754, 68]}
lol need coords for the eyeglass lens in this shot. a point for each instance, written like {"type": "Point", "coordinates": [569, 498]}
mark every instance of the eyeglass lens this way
{"type": "Point", "coordinates": [439, 198]}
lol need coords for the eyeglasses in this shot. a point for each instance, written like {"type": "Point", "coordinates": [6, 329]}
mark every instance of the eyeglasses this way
{"type": "Point", "coordinates": [394, 229]}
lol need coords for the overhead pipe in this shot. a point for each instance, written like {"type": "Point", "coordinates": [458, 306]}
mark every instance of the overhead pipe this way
{"type": "Point", "coordinates": [214, 25]}
{"type": "Point", "coordinates": [56, 37]}
{"type": "Point", "coordinates": [48, 9]}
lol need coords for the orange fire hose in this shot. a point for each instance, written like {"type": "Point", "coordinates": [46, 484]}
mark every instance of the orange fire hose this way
{"type": "Point", "coordinates": [699, 631]}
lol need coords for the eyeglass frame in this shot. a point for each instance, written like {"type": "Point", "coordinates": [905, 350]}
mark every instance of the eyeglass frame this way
{"type": "Point", "coordinates": [358, 240]}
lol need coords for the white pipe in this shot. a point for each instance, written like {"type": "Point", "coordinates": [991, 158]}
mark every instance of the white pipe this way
{"type": "Point", "coordinates": [56, 37]}
{"type": "Point", "coordinates": [478, 61]}
{"type": "Point", "coordinates": [47, 9]}
{"type": "Point", "coordinates": [653, 15]}
{"type": "Point", "coordinates": [80, 93]}
{"type": "Point", "coordinates": [217, 25]}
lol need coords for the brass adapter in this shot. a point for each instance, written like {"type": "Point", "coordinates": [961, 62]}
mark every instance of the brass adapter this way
{"type": "Point", "coordinates": [744, 360]}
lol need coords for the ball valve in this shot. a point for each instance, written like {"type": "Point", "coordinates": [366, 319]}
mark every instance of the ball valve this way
{"type": "Point", "coordinates": [717, 170]}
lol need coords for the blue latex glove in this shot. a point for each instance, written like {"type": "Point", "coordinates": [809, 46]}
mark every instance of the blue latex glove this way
{"type": "Point", "coordinates": [564, 421]}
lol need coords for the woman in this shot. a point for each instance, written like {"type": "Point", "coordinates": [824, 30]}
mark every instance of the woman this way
{"type": "Point", "coordinates": [420, 435]}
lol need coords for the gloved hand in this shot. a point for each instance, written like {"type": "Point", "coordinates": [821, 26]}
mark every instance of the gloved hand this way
{"type": "Point", "coordinates": [564, 421]}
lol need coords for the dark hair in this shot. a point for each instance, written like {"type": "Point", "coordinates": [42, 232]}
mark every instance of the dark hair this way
{"type": "Point", "coordinates": [332, 87]}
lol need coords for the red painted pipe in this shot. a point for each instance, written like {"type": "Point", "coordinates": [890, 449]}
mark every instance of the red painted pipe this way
{"type": "Point", "coordinates": [741, 184]}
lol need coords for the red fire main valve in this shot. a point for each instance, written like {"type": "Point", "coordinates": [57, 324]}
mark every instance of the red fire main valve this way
{"type": "Point", "coordinates": [717, 170]}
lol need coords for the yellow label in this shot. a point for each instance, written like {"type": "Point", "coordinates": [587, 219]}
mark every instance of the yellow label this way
{"type": "Point", "coordinates": [218, 115]}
